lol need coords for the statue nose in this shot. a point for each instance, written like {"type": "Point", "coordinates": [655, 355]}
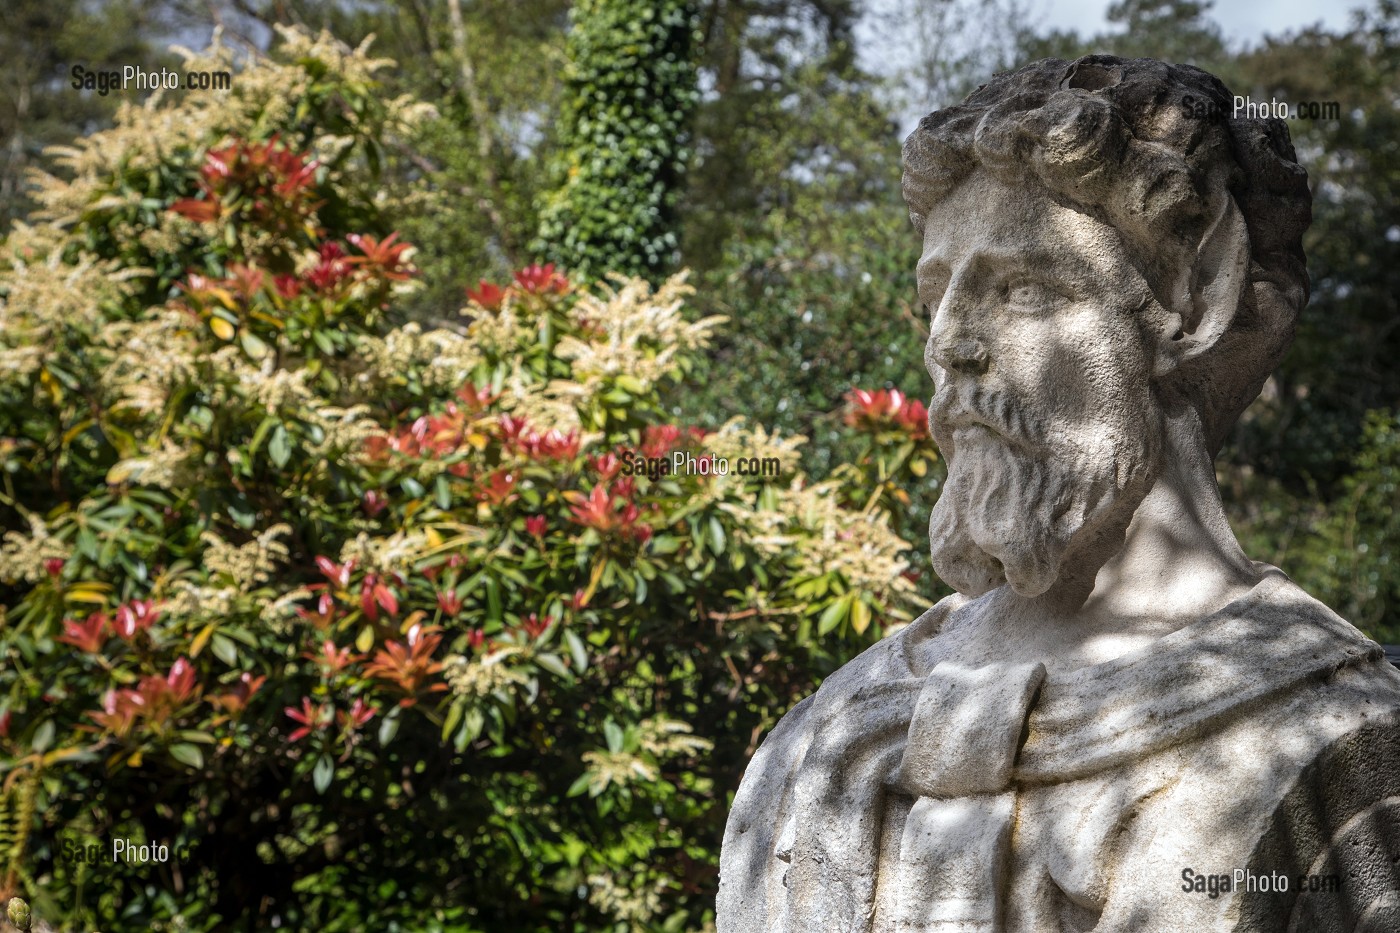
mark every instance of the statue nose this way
{"type": "Point", "coordinates": [963, 354]}
{"type": "Point", "coordinates": [968, 356]}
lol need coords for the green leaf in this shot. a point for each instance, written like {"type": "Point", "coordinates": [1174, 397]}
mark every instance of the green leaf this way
{"type": "Point", "coordinates": [553, 664]}
{"type": "Point", "coordinates": [661, 545]}
{"type": "Point", "coordinates": [241, 511]}
{"type": "Point", "coordinates": [322, 774]}
{"type": "Point", "coordinates": [860, 616]}
{"type": "Point", "coordinates": [613, 733]}
{"type": "Point", "coordinates": [260, 434]}
{"type": "Point", "coordinates": [577, 650]}
{"type": "Point", "coordinates": [253, 346]}
{"type": "Point", "coordinates": [280, 447]}
{"type": "Point", "coordinates": [43, 736]}
{"type": "Point", "coordinates": [834, 614]}
{"type": "Point", "coordinates": [221, 328]}
{"type": "Point", "coordinates": [716, 536]}
{"type": "Point", "coordinates": [224, 649]}
{"type": "Point", "coordinates": [202, 639]}
{"type": "Point", "coordinates": [187, 754]}
{"type": "Point", "coordinates": [493, 600]}
{"type": "Point", "coordinates": [472, 726]}
{"type": "Point", "coordinates": [454, 716]}
{"type": "Point", "coordinates": [389, 727]}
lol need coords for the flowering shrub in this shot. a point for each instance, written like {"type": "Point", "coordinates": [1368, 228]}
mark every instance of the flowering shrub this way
{"type": "Point", "coordinates": [372, 622]}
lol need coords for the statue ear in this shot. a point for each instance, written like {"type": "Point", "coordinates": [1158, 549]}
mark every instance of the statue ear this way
{"type": "Point", "coordinates": [1210, 297]}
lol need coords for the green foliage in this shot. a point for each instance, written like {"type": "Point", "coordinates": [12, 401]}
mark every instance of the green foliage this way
{"type": "Point", "coordinates": [372, 624]}
{"type": "Point", "coordinates": [475, 173]}
{"type": "Point", "coordinates": [815, 269]}
{"type": "Point", "coordinates": [40, 43]}
{"type": "Point", "coordinates": [1340, 365]}
{"type": "Point", "coordinates": [631, 86]}
{"type": "Point", "coordinates": [1354, 570]}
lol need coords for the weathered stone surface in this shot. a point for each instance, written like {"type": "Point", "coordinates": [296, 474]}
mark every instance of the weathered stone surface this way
{"type": "Point", "coordinates": [1118, 709]}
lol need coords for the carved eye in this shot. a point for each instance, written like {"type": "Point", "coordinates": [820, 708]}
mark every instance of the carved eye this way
{"type": "Point", "coordinates": [1033, 295]}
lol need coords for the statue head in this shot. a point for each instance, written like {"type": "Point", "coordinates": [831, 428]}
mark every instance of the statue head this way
{"type": "Point", "coordinates": [1113, 265]}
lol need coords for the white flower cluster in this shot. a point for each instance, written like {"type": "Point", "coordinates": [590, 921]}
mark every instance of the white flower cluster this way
{"type": "Point", "coordinates": [169, 466]}
{"type": "Point", "coordinates": [861, 547]}
{"type": "Point", "coordinates": [641, 332]}
{"type": "Point", "coordinates": [551, 406]}
{"type": "Point", "coordinates": [666, 738]}
{"type": "Point", "coordinates": [501, 330]}
{"type": "Point", "coordinates": [634, 908]}
{"type": "Point", "coordinates": [657, 738]}
{"type": "Point", "coordinates": [272, 389]}
{"type": "Point", "coordinates": [490, 676]}
{"type": "Point", "coordinates": [442, 358]}
{"type": "Point", "coordinates": [342, 429]}
{"type": "Point", "coordinates": [736, 439]}
{"type": "Point", "coordinates": [246, 565]}
{"type": "Point", "coordinates": [277, 613]}
{"type": "Point", "coordinates": [21, 362]}
{"type": "Point", "coordinates": [394, 554]}
{"type": "Point", "coordinates": [192, 603]}
{"type": "Point", "coordinates": [150, 359]}
{"type": "Point", "coordinates": [22, 556]}
{"type": "Point", "coordinates": [148, 132]}
{"type": "Point", "coordinates": [620, 768]}
{"type": "Point", "coordinates": [45, 297]}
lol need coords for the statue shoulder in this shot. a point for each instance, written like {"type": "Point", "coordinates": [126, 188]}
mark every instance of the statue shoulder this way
{"type": "Point", "coordinates": [903, 653]}
{"type": "Point", "coordinates": [751, 870]}
{"type": "Point", "coordinates": [899, 655]}
{"type": "Point", "coordinates": [1334, 835]}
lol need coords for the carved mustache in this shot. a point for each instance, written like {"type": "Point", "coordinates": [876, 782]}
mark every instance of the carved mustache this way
{"type": "Point", "coordinates": [959, 406]}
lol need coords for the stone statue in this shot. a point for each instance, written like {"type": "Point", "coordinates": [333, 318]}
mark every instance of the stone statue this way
{"type": "Point", "coordinates": [1119, 722]}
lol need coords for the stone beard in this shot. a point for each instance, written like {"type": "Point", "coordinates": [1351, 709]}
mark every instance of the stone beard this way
{"type": "Point", "coordinates": [1008, 469]}
{"type": "Point", "coordinates": [1118, 710]}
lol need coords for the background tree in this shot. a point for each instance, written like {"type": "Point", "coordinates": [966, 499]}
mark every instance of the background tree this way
{"type": "Point", "coordinates": [624, 124]}
{"type": "Point", "coordinates": [40, 42]}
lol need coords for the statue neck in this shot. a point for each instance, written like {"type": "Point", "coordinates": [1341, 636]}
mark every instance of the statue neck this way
{"type": "Point", "coordinates": [1177, 562]}
{"type": "Point", "coordinates": [1179, 558]}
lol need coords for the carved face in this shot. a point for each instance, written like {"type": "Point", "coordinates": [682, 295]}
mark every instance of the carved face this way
{"type": "Point", "coordinates": [1044, 410]}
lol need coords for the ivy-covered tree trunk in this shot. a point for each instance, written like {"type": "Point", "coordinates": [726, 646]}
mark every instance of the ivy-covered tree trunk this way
{"type": "Point", "coordinates": [631, 89]}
